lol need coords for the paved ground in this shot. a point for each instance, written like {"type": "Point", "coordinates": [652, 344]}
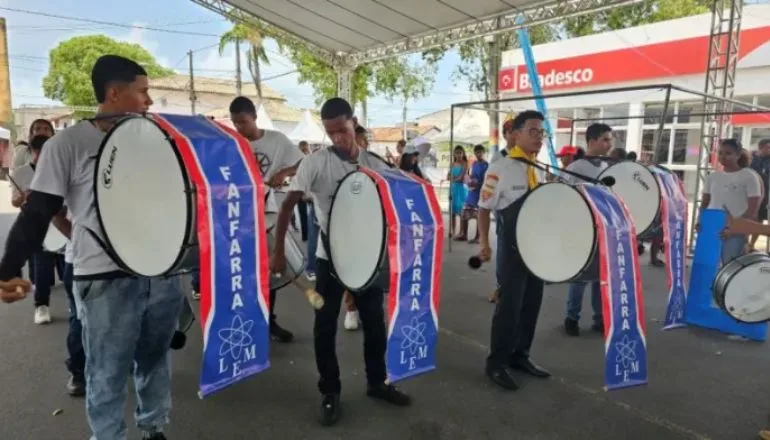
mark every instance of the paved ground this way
{"type": "Point", "coordinates": [703, 385]}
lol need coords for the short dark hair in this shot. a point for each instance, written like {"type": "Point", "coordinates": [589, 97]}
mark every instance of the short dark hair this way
{"type": "Point", "coordinates": [631, 156]}
{"type": "Point", "coordinates": [479, 147]}
{"type": "Point", "coordinates": [111, 69]}
{"type": "Point", "coordinates": [336, 107]}
{"type": "Point", "coordinates": [243, 104]}
{"type": "Point", "coordinates": [764, 141]}
{"type": "Point", "coordinates": [37, 142]}
{"type": "Point", "coordinates": [302, 143]}
{"type": "Point", "coordinates": [360, 130]}
{"type": "Point", "coordinates": [525, 116]}
{"type": "Point", "coordinates": [733, 144]}
{"type": "Point", "coordinates": [41, 121]}
{"type": "Point", "coordinates": [596, 130]}
{"type": "Point", "coordinates": [402, 142]}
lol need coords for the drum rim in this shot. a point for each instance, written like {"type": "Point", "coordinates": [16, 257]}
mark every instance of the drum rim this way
{"type": "Point", "coordinates": [594, 246]}
{"type": "Point", "coordinates": [654, 223]}
{"type": "Point", "coordinates": [721, 303]}
{"type": "Point", "coordinates": [188, 187]}
{"type": "Point", "coordinates": [383, 249]}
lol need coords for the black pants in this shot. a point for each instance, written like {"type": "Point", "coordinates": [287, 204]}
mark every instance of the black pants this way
{"type": "Point", "coordinates": [516, 311]}
{"type": "Point", "coordinates": [302, 208]}
{"type": "Point", "coordinates": [372, 317]}
{"type": "Point", "coordinates": [44, 277]}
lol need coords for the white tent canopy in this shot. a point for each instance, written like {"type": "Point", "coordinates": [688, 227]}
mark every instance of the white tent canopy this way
{"type": "Point", "coordinates": [263, 120]}
{"type": "Point", "coordinates": [471, 128]}
{"type": "Point", "coordinates": [5, 134]}
{"type": "Point", "coordinates": [309, 131]}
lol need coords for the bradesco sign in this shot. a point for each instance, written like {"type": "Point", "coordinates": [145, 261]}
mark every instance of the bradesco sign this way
{"type": "Point", "coordinates": [646, 62]}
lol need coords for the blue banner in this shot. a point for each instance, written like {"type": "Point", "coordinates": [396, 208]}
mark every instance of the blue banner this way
{"type": "Point", "coordinates": [673, 214]}
{"type": "Point", "coordinates": [233, 253]}
{"type": "Point", "coordinates": [414, 241]}
{"type": "Point", "coordinates": [625, 338]}
{"type": "Point", "coordinates": [537, 91]}
{"type": "Point", "coordinates": [701, 310]}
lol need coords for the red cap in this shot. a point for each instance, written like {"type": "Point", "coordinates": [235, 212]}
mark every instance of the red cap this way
{"type": "Point", "coordinates": [567, 150]}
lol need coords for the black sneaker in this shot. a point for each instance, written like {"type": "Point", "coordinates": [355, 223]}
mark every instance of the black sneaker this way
{"type": "Point", "coordinates": [388, 393]}
{"type": "Point", "coordinates": [155, 436]}
{"type": "Point", "coordinates": [76, 386]}
{"type": "Point", "coordinates": [279, 334]}
{"type": "Point", "coordinates": [571, 327]}
{"type": "Point", "coordinates": [330, 409]}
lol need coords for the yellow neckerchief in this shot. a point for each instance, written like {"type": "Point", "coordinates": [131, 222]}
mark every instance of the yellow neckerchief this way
{"type": "Point", "coordinates": [517, 152]}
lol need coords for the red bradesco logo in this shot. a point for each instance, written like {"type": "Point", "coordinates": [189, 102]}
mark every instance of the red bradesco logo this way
{"type": "Point", "coordinates": [660, 60]}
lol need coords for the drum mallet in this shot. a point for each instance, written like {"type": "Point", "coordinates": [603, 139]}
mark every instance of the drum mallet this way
{"type": "Point", "coordinates": [475, 262]}
{"type": "Point", "coordinates": [302, 283]}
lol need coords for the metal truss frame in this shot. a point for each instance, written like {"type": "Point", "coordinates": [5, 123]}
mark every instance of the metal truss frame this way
{"type": "Point", "coordinates": [665, 89]}
{"type": "Point", "coordinates": [545, 12]}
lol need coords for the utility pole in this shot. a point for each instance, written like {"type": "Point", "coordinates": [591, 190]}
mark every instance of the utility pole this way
{"type": "Point", "coordinates": [193, 98]}
{"type": "Point", "coordinates": [238, 68]}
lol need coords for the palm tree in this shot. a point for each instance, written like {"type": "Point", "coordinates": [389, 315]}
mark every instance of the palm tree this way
{"type": "Point", "coordinates": [256, 53]}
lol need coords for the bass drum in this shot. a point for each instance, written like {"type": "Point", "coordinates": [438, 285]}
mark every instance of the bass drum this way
{"type": "Point", "coordinates": [555, 234]}
{"type": "Point", "coordinates": [144, 200]}
{"type": "Point", "coordinates": [742, 288]}
{"type": "Point", "coordinates": [54, 240]}
{"type": "Point", "coordinates": [637, 186]}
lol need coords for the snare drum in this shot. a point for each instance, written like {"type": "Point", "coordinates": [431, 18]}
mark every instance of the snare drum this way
{"type": "Point", "coordinates": [742, 288]}
{"type": "Point", "coordinates": [637, 186]}
{"type": "Point", "coordinates": [555, 234]}
{"type": "Point", "coordinates": [54, 240]}
{"type": "Point", "coordinates": [145, 200]}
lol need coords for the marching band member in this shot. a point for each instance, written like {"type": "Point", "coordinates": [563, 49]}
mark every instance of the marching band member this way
{"type": "Point", "coordinates": [278, 159]}
{"type": "Point", "coordinates": [599, 143]}
{"type": "Point", "coordinates": [128, 321]}
{"type": "Point", "coordinates": [319, 175]}
{"type": "Point", "coordinates": [520, 293]}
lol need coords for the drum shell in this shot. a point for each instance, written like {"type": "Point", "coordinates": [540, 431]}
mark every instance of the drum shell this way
{"type": "Point", "coordinates": [187, 256]}
{"type": "Point", "coordinates": [295, 261]}
{"type": "Point", "coordinates": [646, 179]}
{"type": "Point", "coordinates": [726, 275]}
{"type": "Point", "coordinates": [511, 227]}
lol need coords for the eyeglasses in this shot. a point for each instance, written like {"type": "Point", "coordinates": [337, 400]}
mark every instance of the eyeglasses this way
{"type": "Point", "coordinates": [538, 132]}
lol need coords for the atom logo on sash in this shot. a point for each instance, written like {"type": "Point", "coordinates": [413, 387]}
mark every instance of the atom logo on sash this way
{"type": "Point", "coordinates": [236, 338]}
{"type": "Point", "coordinates": [414, 336]}
{"type": "Point", "coordinates": [626, 349]}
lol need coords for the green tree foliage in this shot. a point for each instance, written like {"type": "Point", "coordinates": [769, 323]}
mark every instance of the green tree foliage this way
{"type": "Point", "coordinates": [256, 55]}
{"type": "Point", "coordinates": [70, 63]}
{"type": "Point", "coordinates": [398, 78]}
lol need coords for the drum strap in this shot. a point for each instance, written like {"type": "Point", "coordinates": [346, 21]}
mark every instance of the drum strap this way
{"type": "Point", "coordinates": [113, 256]}
{"type": "Point", "coordinates": [345, 158]}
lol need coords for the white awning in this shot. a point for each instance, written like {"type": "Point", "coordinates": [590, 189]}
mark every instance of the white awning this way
{"type": "Point", "coordinates": [5, 134]}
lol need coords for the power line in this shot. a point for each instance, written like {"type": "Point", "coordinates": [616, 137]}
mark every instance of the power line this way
{"type": "Point", "coordinates": [108, 23]}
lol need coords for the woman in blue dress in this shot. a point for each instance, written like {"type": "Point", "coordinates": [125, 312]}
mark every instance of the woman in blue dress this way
{"type": "Point", "coordinates": [458, 191]}
{"type": "Point", "coordinates": [471, 210]}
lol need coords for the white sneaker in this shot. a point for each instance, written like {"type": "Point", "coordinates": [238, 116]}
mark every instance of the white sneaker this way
{"type": "Point", "coordinates": [42, 315]}
{"type": "Point", "coordinates": [310, 276]}
{"type": "Point", "coordinates": [351, 320]}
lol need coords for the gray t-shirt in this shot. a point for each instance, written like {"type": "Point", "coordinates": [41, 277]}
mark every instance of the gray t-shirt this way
{"type": "Point", "coordinates": [731, 191]}
{"type": "Point", "coordinates": [584, 167]}
{"type": "Point", "coordinates": [319, 174]}
{"type": "Point", "coordinates": [66, 169]}
{"type": "Point", "coordinates": [274, 152]}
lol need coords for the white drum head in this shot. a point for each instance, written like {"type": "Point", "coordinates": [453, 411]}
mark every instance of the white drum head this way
{"type": "Point", "coordinates": [356, 231]}
{"type": "Point", "coordinates": [54, 240]}
{"type": "Point", "coordinates": [637, 187]}
{"type": "Point", "coordinates": [747, 295]}
{"type": "Point", "coordinates": [141, 199]}
{"type": "Point", "coordinates": [555, 232]}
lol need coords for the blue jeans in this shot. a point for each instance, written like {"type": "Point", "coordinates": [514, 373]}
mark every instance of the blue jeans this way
{"type": "Point", "coordinates": [732, 247]}
{"type": "Point", "coordinates": [76, 362]}
{"type": "Point", "coordinates": [575, 301]}
{"type": "Point", "coordinates": [312, 238]}
{"type": "Point", "coordinates": [128, 322]}
{"type": "Point", "coordinates": [43, 276]}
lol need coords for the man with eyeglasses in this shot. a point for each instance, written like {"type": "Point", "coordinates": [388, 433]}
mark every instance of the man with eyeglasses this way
{"type": "Point", "coordinates": [506, 183]}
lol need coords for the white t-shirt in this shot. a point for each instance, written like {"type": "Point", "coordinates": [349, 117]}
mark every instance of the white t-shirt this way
{"type": "Point", "coordinates": [505, 182]}
{"type": "Point", "coordinates": [21, 156]}
{"type": "Point", "coordinates": [319, 175]}
{"type": "Point", "coordinates": [731, 191]}
{"type": "Point", "coordinates": [66, 169]}
{"type": "Point", "coordinates": [23, 177]}
{"type": "Point", "coordinates": [584, 167]}
{"type": "Point", "coordinates": [274, 152]}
